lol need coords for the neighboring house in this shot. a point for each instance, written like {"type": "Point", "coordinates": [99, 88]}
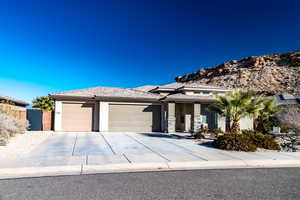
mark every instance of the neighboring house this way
{"type": "Point", "coordinates": [15, 107]}
{"type": "Point", "coordinates": [12, 101]}
{"type": "Point", "coordinates": [287, 99]}
{"type": "Point", "coordinates": [289, 112]}
{"type": "Point", "coordinates": [168, 108]}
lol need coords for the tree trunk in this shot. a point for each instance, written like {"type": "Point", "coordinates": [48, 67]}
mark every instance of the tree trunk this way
{"type": "Point", "coordinates": [236, 127]}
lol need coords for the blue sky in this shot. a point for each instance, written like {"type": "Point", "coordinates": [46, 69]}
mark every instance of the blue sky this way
{"type": "Point", "coordinates": [57, 45]}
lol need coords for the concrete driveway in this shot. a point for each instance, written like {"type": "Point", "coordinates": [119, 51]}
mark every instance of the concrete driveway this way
{"type": "Point", "coordinates": [100, 149]}
{"type": "Point", "coordinates": [103, 148]}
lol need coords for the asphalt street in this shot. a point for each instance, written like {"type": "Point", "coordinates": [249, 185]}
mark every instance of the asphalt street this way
{"type": "Point", "coordinates": [280, 183]}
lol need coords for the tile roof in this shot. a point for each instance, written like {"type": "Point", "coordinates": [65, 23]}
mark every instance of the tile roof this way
{"type": "Point", "coordinates": [143, 92]}
{"type": "Point", "coordinates": [16, 101]}
{"type": "Point", "coordinates": [177, 85]}
{"type": "Point", "coordinates": [146, 88]}
{"type": "Point", "coordinates": [109, 92]}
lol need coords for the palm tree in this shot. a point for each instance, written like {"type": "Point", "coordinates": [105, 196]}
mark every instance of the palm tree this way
{"type": "Point", "coordinates": [44, 103]}
{"type": "Point", "coordinates": [236, 105]}
{"type": "Point", "coordinates": [269, 109]}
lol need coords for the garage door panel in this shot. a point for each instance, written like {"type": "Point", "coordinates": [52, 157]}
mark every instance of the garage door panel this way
{"type": "Point", "coordinates": [77, 116]}
{"type": "Point", "coordinates": [134, 117]}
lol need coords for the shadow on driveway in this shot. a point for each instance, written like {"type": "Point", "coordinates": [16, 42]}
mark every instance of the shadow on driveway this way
{"type": "Point", "coordinates": [207, 144]}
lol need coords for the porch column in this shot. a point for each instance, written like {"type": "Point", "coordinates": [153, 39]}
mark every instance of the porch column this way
{"type": "Point", "coordinates": [171, 118]}
{"type": "Point", "coordinates": [222, 123]}
{"type": "Point", "coordinates": [197, 121]}
{"type": "Point", "coordinates": [57, 116]}
{"type": "Point", "coordinates": [103, 116]}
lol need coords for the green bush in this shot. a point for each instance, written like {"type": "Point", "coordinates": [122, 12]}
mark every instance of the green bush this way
{"type": "Point", "coordinates": [44, 103]}
{"type": "Point", "coordinates": [270, 143]}
{"type": "Point", "coordinates": [234, 142]}
{"type": "Point", "coordinates": [247, 141]}
{"type": "Point", "coordinates": [261, 140]}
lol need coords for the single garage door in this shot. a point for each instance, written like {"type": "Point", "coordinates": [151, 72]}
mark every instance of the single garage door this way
{"type": "Point", "coordinates": [77, 116]}
{"type": "Point", "coordinates": [134, 117]}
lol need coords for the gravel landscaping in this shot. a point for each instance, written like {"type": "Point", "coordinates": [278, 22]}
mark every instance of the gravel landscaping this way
{"type": "Point", "coordinates": [22, 144]}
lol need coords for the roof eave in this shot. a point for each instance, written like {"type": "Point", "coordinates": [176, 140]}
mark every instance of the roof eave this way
{"type": "Point", "coordinates": [130, 99]}
{"type": "Point", "coordinates": [189, 100]}
{"type": "Point", "coordinates": [71, 97]}
{"type": "Point", "coordinates": [17, 102]}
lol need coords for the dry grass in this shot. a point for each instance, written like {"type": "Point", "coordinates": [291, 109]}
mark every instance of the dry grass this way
{"type": "Point", "coordinates": [12, 122]}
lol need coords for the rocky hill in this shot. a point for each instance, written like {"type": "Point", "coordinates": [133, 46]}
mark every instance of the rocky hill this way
{"type": "Point", "coordinates": [268, 74]}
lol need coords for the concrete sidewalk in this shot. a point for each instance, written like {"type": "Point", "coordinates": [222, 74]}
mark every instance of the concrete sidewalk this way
{"type": "Point", "coordinates": [84, 153]}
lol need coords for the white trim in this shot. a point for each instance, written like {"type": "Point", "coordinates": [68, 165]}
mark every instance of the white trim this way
{"type": "Point", "coordinates": [58, 116]}
{"type": "Point", "coordinates": [203, 89]}
{"type": "Point", "coordinates": [87, 101]}
{"type": "Point", "coordinates": [198, 93]}
{"type": "Point", "coordinates": [133, 103]}
{"type": "Point", "coordinates": [103, 116]}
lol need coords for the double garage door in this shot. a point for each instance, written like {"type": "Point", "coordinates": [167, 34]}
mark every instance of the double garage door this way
{"type": "Point", "coordinates": [134, 117]}
{"type": "Point", "coordinates": [121, 117]}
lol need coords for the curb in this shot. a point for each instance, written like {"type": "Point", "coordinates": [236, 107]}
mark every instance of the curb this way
{"type": "Point", "coordinates": [10, 173]}
{"type": "Point", "coordinates": [131, 167]}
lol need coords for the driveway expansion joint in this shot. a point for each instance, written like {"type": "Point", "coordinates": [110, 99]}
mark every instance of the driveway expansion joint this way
{"type": "Point", "coordinates": [127, 158]}
{"type": "Point", "coordinates": [162, 156]}
{"type": "Point", "coordinates": [74, 145]}
{"type": "Point", "coordinates": [187, 150]}
{"type": "Point", "coordinates": [108, 144]}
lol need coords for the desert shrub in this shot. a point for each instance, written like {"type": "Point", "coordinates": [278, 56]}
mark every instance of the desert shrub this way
{"type": "Point", "coordinates": [270, 143]}
{"type": "Point", "coordinates": [9, 126]}
{"type": "Point", "coordinates": [234, 142]}
{"type": "Point", "coordinates": [262, 141]}
{"type": "Point", "coordinates": [247, 141]}
{"type": "Point", "coordinates": [199, 135]}
{"type": "Point", "coordinates": [285, 127]}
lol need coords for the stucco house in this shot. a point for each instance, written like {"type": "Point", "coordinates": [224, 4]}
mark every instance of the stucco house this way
{"type": "Point", "coordinates": [287, 99]}
{"type": "Point", "coordinates": [13, 101]}
{"type": "Point", "coordinates": [15, 107]}
{"type": "Point", "coordinates": [175, 107]}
